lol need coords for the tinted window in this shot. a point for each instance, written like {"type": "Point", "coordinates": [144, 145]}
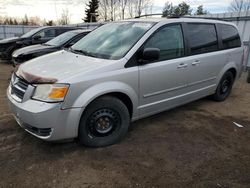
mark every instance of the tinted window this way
{"type": "Point", "coordinates": [230, 36]}
{"type": "Point", "coordinates": [202, 38]}
{"type": "Point", "coordinates": [170, 42]}
{"type": "Point", "coordinates": [30, 33]}
{"type": "Point", "coordinates": [46, 33]}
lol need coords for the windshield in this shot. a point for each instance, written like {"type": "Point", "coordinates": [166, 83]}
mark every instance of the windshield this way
{"type": "Point", "coordinates": [113, 40]}
{"type": "Point", "coordinates": [61, 39]}
{"type": "Point", "coordinates": [31, 32]}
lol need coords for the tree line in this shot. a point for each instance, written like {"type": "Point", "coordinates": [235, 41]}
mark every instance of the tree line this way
{"type": "Point", "coordinates": [111, 10]}
{"type": "Point", "coordinates": [63, 20]}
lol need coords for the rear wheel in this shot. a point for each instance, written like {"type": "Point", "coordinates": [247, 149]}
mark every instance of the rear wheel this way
{"type": "Point", "coordinates": [225, 86]}
{"type": "Point", "coordinates": [248, 76]}
{"type": "Point", "coordinates": [105, 122]}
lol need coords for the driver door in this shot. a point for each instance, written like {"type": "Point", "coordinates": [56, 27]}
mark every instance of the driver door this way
{"type": "Point", "coordinates": [164, 82]}
{"type": "Point", "coordinates": [43, 36]}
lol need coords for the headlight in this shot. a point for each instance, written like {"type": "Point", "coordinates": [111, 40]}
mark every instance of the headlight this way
{"type": "Point", "coordinates": [50, 92]}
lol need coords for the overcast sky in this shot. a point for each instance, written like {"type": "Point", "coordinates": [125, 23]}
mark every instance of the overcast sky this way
{"type": "Point", "coordinates": [52, 9]}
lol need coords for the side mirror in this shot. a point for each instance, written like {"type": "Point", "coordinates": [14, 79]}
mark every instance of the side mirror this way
{"type": "Point", "coordinates": [150, 54]}
{"type": "Point", "coordinates": [37, 37]}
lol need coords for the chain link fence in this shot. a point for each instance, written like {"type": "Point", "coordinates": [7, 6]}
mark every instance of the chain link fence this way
{"type": "Point", "coordinates": [7, 31]}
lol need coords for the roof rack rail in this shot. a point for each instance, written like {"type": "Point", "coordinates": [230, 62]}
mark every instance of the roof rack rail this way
{"type": "Point", "coordinates": [147, 15]}
{"type": "Point", "coordinates": [158, 14]}
{"type": "Point", "coordinates": [173, 16]}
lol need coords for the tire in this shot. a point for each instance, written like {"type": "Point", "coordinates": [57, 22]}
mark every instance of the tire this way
{"type": "Point", "coordinates": [248, 76]}
{"type": "Point", "coordinates": [105, 122]}
{"type": "Point", "coordinates": [225, 87]}
{"type": "Point", "coordinates": [248, 80]}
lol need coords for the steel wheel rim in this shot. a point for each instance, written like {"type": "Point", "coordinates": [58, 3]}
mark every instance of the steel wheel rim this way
{"type": "Point", "coordinates": [225, 86]}
{"type": "Point", "coordinates": [103, 122]}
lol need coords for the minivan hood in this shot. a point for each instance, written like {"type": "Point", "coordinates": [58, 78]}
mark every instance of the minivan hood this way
{"type": "Point", "coordinates": [58, 66]}
{"type": "Point", "coordinates": [30, 49]}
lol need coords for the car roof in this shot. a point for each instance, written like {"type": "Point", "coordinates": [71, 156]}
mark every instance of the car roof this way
{"type": "Point", "coordinates": [78, 31]}
{"type": "Point", "coordinates": [182, 19]}
{"type": "Point", "coordinates": [59, 27]}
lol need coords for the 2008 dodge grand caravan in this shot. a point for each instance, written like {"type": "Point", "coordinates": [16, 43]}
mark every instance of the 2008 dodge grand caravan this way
{"type": "Point", "coordinates": [124, 71]}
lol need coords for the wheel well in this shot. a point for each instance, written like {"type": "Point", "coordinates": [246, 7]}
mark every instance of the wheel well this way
{"type": "Point", "coordinates": [233, 70]}
{"type": "Point", "coordinates": [125, 99]}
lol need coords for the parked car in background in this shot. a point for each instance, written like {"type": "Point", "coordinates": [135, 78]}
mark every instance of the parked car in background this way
{"type": "Point", "coordinates": [60, 42]}
{"type": "Point", "coordinates": [122, 72]}
{"type": "Point", "coordinates": [36, 36]}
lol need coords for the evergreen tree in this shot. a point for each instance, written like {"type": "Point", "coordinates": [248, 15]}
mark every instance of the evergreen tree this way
{"type": "Point", "coordinates": [182, 9]}
{"type": "Point", "coordinates": [92, 11]}
{"type": "Point", "coordinates": [168, 10]}
{"type": "Point", "coordinates": [200, 10]}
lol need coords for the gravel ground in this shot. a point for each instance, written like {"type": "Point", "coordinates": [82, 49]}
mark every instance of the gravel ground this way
{"type": "Point", "coordinates": [196, 145]}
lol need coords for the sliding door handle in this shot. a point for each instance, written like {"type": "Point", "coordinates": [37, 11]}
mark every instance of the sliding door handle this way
{"type": "Point", "coordinates": [197, 62]}
{"type": "Point", "coordinates": [182, 65]}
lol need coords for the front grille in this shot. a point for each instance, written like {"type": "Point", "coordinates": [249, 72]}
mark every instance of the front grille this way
{"type": "Point", "coordinates": [18, 87]}
{"type": "Point", "coordinates": [3, 47]}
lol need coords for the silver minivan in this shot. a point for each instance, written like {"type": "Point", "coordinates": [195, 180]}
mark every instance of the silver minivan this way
{"type": "Point", "coordinates": [121, 72]}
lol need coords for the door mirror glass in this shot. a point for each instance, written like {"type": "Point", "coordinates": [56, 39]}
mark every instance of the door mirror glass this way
{"type": "Point", "coordinates": [150, 54]}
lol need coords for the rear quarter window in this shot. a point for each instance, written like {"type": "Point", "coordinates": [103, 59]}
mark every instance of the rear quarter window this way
{"type": "Point", "coordinates": [202, 38]}
{"type": "Point", "coordinates": [230, 36]}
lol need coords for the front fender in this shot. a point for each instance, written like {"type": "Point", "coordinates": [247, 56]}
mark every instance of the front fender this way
{"type": "Point", "coordinates": [98, 90]}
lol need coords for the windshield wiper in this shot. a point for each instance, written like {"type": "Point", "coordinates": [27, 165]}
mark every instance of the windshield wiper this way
{"type": "Point", "coordinates": [82, 52]}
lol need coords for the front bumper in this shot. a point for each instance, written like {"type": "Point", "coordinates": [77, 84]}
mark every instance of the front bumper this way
{"type": "Point", "coordinates": [46, 121]}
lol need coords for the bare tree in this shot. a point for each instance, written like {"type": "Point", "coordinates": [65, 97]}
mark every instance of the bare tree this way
{"type": "Point", "coordinates": [147, 7]}
{"type": "Point", "coordinates": [123, 5]}
{"type": "Point", "coordinates": [121, 9]}
{"type": "Point", "coordinates": [107, 9]}
{"type": "Point", "coordinates": [143, 6]}
{"type": "Point", "coordinates": [239, 5]}
{"type": "Point", "coordinates": [131, 6]}
{"type": "Point", "coordinates": [65, 17]}
{"type": "Point", "coordinates": [103, 9]}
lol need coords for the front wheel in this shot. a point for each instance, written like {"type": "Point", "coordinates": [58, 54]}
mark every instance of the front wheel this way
{"type": "Point", "coordinates": [105, 122]}
{"type": "Point", "coordinates": [224, 88]}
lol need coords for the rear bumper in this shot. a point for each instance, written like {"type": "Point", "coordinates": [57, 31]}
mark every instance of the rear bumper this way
{"type": "Point", "coordinates": [46, 121]}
